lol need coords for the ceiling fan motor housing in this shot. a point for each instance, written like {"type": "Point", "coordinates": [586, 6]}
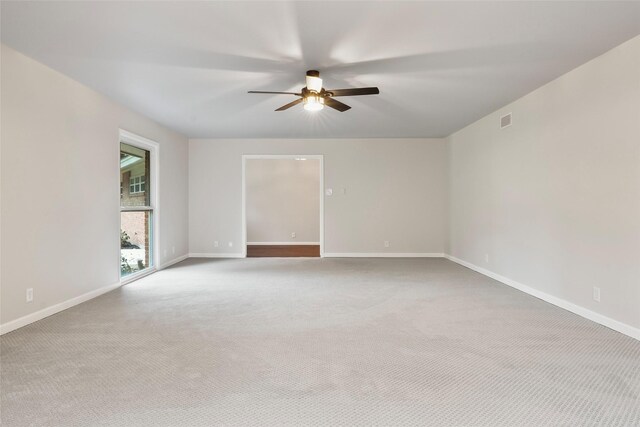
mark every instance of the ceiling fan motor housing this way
{"type": "Point", "coordinates": [314, 82]}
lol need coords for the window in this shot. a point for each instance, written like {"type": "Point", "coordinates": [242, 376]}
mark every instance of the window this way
{"type": "Point", "coordinates": [136, 210]}
{"type": "Point", "coordinates": [137, 184]}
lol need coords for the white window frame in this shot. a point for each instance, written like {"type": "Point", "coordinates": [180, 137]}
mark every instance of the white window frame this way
{"type": "Point", "coordinates": [153, 147]}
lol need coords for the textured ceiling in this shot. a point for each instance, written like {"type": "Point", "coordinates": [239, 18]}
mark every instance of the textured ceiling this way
{"type": "Point", "coordinates": [439, 65]}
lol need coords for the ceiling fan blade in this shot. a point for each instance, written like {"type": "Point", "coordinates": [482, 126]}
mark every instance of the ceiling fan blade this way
{"type": "Point", "coordinates": [275, 93]}
{"type": "Point", "coordinates": [329, 102]}
{"type": "Point", "coordinates": [289, 105]}
{"type": "Point", "coordinates": [354, 91]}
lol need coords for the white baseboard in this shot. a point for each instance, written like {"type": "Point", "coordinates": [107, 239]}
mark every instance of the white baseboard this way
{"type": "Point", "coordinates": [283, 243]}
{"type": "Point", "coordinates": [559, 302]}
{"type": "Point", "coordinates": [217, 255]}
{"type": "Point", "coordinates": [382, 255]}
{"type": "Point", "coordinates": [46, 312]}
{"type": "Point", "coordinates": [138, 275]}
{"type": "Point", "coordinates": [173, 261]}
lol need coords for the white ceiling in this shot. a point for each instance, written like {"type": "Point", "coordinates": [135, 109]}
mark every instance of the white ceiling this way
{"type": "Point", "coordinates": [439, 65]}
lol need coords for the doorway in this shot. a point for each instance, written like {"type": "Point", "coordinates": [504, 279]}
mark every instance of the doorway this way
{"type": "Point", "coordinates": [282, 205]}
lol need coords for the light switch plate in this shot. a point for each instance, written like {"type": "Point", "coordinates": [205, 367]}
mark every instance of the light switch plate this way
{"type": "Point", "coordinates": [329, 191]}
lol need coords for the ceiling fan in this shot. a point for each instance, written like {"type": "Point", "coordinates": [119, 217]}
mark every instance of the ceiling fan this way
{"type": "Point", "coordinates": [314, 97]}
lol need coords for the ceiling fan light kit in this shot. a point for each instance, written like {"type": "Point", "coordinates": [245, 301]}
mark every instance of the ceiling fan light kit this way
{"type": "Point", "coordinates": [314, 97]}
{"type": "Point", "coordinates": [313, 102]}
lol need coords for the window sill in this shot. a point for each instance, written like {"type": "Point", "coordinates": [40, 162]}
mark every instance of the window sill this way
{"type": "Point", "coordinates": [135, 276]}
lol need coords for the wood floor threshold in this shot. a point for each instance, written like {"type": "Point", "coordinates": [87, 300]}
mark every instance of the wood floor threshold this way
{"type": "Point", "coordinates": [256, 251]}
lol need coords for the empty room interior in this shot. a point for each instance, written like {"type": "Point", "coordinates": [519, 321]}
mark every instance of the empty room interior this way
{"type": "Point", "coordinates": [318, 213]}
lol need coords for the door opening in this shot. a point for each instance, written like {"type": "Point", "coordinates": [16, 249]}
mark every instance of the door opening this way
{"type": "Point", "coordinates": [283, 206]}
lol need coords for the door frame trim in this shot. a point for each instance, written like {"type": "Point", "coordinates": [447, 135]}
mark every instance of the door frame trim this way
{"type": "Point", "coordinates": [246, 157]}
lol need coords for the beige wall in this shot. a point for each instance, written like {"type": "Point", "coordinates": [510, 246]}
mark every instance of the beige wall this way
{"type": "Point", "coordinates": [282, 197]}
{"type": "Point", "coordinates": [554, 200]}
{"type": "Point", "coordinates": [60, 187]}
{"type": "Point", "coordinates": [394, 189]}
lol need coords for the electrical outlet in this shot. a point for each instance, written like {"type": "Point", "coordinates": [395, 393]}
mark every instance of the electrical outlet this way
{"type": "Point", "coordinates": [596, 294]}
{"type": "Point", "coordinates": [486, 258]}
{"type": "Point", "coordinates": [230, 244]}
{"type": "Point", "coordinates": [293, 235]}
{"type": "Point", "coordinates": [165, 253]}
{"type": "Point", "coordinates": [30, 295]}
{"type": "Point", "coordinates": [173, 250]}
{"type": "Point", "coordinates": [215, 244]}
{"type": "Point", "coordinates": [386, 243]}
{"type": "Point", "coordinates": [328, 191]}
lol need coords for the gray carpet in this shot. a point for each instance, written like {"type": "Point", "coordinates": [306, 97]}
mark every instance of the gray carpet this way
{"type": "Point", "coordinates": [352, 342]}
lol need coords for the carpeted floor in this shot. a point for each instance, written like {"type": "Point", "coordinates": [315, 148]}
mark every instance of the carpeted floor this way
{"type": "Point", "coordinates": [351, 342]}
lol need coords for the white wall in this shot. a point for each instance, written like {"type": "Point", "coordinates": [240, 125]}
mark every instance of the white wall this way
{"type": "Point", "coordinates": [60, 186]}
{"type": "Point", "coordinates": [554, 200]}
{"type": "Point", "coordinates": [282, 197]}
{"type": "Point", "coordinates": [395, 191]}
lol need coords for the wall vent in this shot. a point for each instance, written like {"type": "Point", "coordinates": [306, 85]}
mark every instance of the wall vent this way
{"type": "Point", "coordinates": [505, 121]}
